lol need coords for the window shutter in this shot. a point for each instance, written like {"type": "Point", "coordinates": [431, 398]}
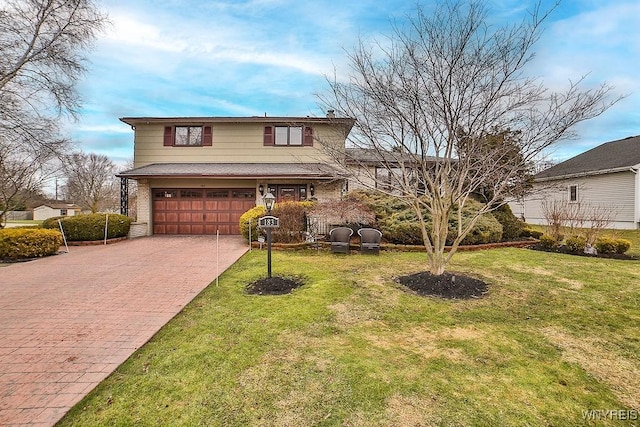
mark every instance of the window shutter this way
{"type": "Point", "coordinates": [268, 135]}
{"type": "Point", "coordinates": [307, 140]}
{"type": "Point", "coordinates": [168, 136]}
{"type": "Point", "coordinates": [207, 136]}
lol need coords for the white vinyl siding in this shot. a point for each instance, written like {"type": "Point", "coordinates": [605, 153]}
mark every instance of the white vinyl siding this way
{"type": "Point", "coordinates": [614, 190]}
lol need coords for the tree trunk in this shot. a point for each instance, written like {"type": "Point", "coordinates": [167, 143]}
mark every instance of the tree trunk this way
{"type": "Point", "coordinates": [437, 264]}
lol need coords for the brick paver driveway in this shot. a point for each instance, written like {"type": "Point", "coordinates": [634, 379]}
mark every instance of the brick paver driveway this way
{"type": "Point", "coordinates": [67, 321]}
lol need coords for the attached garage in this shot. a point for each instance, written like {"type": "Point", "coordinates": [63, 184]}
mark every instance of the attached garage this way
{"type": "Point", "coordinates": [205, 198]}
{"type": "Point", "coordinates": [200, 211]}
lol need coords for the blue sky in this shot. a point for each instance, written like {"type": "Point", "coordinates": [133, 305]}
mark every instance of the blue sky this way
{"type": "Point", "coordinates": [243, 58]}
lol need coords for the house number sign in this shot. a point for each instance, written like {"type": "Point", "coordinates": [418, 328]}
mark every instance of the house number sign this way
{"type": "Point", "coordinates": [269, 222]}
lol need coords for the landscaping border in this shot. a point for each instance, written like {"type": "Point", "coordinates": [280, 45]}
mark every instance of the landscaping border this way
{"type": "Point", "coordinates": [396, 247]}
{"type": "Point", "coordinates": [96, 242]}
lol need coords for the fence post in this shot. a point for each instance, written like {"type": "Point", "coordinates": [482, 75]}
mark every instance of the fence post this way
{"type": "Point", "coordinates": [106, 227]}
{"type": "Point", "coordinates": [64, 238]}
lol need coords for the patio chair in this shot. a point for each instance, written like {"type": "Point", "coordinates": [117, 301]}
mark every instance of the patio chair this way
{"type": "Point", "coordinates": [339, 238]}
{"type": "Point", "coordinates": [369, 240]}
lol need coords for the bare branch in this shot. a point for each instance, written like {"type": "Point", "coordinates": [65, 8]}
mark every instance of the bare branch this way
{"type": "Point", "coordinates": [446, 107]}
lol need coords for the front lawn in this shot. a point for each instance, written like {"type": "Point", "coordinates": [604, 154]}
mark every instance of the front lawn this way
{"type": "Point", "coordinates": [556, 337]}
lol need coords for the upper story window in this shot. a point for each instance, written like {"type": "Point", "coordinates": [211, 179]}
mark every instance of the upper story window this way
{"type": "Point", "coordinates": [188, 136]}
{"type": "Point", "coordinates": [288, 135]}
{"type": "Point", "coordinates": [282, 136]}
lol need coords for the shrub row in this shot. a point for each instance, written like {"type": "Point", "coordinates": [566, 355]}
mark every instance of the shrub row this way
{"type": "Point", "coordinates": [28, 243]}
{"type": "Point", "coordinates": [399, 223]}
{"type": "Point", "coordinates": [91, 226]}
{"type": "Point", "coordinates": [604, 245]}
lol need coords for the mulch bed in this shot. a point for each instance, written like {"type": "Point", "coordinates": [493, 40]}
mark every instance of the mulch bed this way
{"type": "Point", "coordinates": [276, 285]}
{"type": "Point", "coordinates": [446, 285]}
{"type": "Point", "coordinates": [564, 250]}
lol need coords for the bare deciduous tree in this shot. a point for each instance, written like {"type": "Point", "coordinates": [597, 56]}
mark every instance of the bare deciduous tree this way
{"type": "Point", "coordinates": [581, 218]}
{"type": "Point", "coordinates": [42, 45]}
{"type": "Point", "coordinates": [28, 157]}
{"type": "Point", "coordinates": [90, 181]}
{"type": "Point", "coordinates": [426, 100]}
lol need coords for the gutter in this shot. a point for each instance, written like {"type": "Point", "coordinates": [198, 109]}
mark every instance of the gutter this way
{"type": "Point", "coordinates": [589, 173]}
{"type": "Point", "coordinates": [282, 176]}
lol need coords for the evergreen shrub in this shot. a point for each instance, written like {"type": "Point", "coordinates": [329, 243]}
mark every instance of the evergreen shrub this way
{"type": "Point", "coordinates": [512, 227]}
{"type": "Point", "coordinates": [90, 227]}
{"type": "Point", "coordinates": [28, 243]}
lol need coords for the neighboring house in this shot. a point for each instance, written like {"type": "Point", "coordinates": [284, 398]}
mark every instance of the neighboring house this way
{"type": "Point", "coordinates": [197, 175]}
{"type": "Point", "coordinates": [382, 170]}
{"type": "Point", "coordinates": [605, 176]}
{"type": "Point", "coordinates": [50, 210]}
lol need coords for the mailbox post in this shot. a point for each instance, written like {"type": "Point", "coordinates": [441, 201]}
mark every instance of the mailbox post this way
{"type": "Point", "coordinates": [269, 222]}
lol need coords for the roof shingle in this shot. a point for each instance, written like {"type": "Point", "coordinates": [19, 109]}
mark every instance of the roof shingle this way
{"type": "Point", "coordinates": [237, 170]}
{"type": "Point", "coordinates": [610, 156]}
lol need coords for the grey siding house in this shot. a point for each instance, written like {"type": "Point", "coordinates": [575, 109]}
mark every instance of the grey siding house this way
{"type": "Point", "coordinates": [606, 175]}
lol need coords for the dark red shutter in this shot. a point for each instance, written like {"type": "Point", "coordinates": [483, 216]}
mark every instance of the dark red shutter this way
{"type": "Point", "coordinates": [268, 135]}
{"type": "Point", "coordinates": [307, 140]}
{"type": "Point", "coordinates": [207, 136]}
{"type": "Point", "coordinates": [168, 136]}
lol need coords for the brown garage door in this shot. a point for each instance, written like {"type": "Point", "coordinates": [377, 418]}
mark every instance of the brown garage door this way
{"type": "Point", "coordinates": [200, 211]}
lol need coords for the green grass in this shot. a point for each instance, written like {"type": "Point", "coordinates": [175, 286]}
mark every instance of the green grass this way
{"type": "Point", "coordinates": [25, 221]}
{"type": "Point", "coordinates": [556, 335]}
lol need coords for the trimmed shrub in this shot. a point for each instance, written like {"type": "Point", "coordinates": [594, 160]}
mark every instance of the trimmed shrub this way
{"type": "Point", "coordinates": [609, 245]}
{"type": "Point", "coordinates": [548, 242]}
{"type": "Point", "coordinates": [91, 226]}
{"type": "Point", "coordinates": [606, 245]}
{"type": "Point", "coordinates": [486, 230]}
{"type": "Point", "coordinates": [350, 211]}
{"type": "Point", "coordinates": [293, 221]}
{"type": "Point", "coordinates": [52, 222]}
{"type": "Point", "coordinates": [28, 243]}
{"type": "Point", "coordinates": [576, 243]}
{"type": "Point", "coordinates": [399, 224]}
{"type": "Point", "coordinates": [512, 227]}
{"type": "Point", "coordinates": [402, 232]}
{"type": "Point", "coordinates": [528, 232]}
{"type": "Point", "coordinates": [251, 215]}
{"type": "Point", "coordinates": [622, 245]}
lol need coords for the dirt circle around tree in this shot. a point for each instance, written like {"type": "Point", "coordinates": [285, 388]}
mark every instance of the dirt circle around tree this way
{"type": "Point", "coordinates": [446, 285]}
{"type": "Point", "coordinates": [275, 285]}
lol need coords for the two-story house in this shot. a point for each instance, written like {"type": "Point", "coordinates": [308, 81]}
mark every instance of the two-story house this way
{"type": "Point", "coordinates": [197, 175]}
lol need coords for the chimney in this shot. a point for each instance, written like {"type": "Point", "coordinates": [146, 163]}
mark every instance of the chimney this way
{"type": "Point", "coordinates": [331, 114]}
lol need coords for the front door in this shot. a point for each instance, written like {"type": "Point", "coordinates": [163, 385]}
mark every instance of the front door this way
{"type": "Point", "coordinates": [289, 192]}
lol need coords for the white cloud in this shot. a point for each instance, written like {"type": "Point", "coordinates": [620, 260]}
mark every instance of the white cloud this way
{"type": "Point", "coordinates": [102, 128]}
{"type": "Point", "coordinates": [246, 57]}
{"type": "Point", "coordinates": [149, 41]}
